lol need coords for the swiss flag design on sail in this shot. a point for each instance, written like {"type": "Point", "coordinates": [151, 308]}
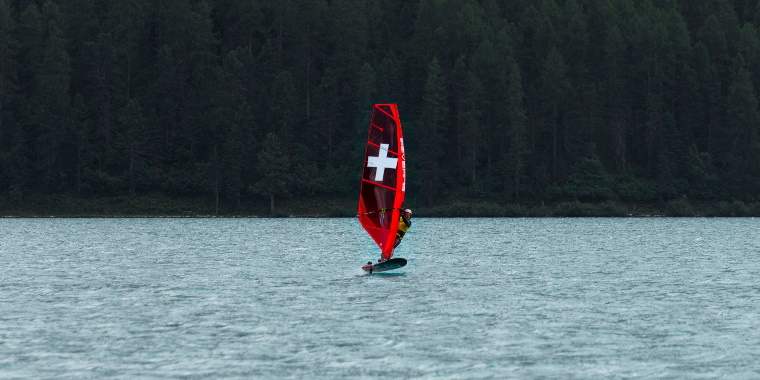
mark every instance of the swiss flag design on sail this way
{"type": "Point", "coordinates": [381, 162]}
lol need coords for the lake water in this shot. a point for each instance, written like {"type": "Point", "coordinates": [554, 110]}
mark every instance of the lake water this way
{"type": "Point", "coordinates": [286, 298]}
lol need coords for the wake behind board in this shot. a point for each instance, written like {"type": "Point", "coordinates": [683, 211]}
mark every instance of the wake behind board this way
{"type": "Point", "coordinates": [391, 264]}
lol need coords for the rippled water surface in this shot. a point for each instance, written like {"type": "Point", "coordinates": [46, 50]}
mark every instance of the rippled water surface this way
{"type": "Point", "coordinates": [286, 298]}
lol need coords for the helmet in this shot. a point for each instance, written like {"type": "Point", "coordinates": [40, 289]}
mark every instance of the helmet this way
{"type": "Point", "coordinates": [409, 211]}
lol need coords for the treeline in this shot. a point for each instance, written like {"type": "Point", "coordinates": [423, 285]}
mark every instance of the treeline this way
{"type": "Point", "coordinates": [504, 101]}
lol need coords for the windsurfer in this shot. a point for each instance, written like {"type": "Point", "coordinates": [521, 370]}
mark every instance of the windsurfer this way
{"type": "Point", "coordinates": [404, 222]}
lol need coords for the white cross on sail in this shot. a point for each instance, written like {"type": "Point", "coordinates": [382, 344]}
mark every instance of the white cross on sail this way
{"type": "Point", "coordinates": [381, 162]}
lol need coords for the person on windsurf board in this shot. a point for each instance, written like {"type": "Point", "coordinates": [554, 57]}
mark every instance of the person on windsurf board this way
{"type": "Point", "coordinates": [383, 186]}
{"type": "Point", "coordinates": [404, 222]}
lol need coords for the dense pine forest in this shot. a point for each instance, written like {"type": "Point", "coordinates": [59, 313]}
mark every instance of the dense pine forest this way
{"type": "Point", "coordinates": [506, 105]}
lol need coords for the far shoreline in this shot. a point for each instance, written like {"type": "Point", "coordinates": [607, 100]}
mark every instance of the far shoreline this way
{"type": "Point", "coordinates": [160, 206]}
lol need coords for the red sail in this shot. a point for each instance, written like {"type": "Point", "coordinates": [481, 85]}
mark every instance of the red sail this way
{"type": "Point", "coordinates": [383, 178]}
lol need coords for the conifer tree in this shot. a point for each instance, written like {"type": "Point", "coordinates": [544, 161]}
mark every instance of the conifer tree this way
{"type": "Point", "coordinates": [8, 65]}
{"type": "Point", "coordinates": [274, 166]}
{"type": "Point", "coordinates": [136, 144]}
{"type": "Point", "coordinates": [518, 145]}
{"type": "Point", "coordinates": [432, 129]}
{"type": "Point", "coordinates": [742, 131]}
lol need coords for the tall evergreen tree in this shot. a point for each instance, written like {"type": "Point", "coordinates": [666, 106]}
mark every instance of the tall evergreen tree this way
{"type": "Point", "coordinates": [50, 116]}
{"type": "Point", "coordinates": [8, 66]}
{"type": "Point", "coordinates": [366, 90]}
{"type": "Point", "coordinates": [473, 129]}
{"type": "Point", "coordinates": [8, 88]}
{"type": "Point", "coordinates": [284, 109]}
{"type": "Point", "coordinates": [618, 103]}
{"type": "Point", "coordinates": [106, 87]}
{"type": "Point", "coordinates": [232, 162]}
{"type": "Point", "coordinates": [127, 22]}
{"type": "Point", "coordinates": [275, 168]}
{"type": "Point", "coordinates": [749, 46]}
{"type": "Point", "coordinates": [245, 24]}
{"type": "Point", "coordinates": [518, 145]}
{"type": "Point", "coordinates": [138, 145]}
{"type": "Point", "coordinates": [432, 128]}
{"type": "Point", "coordinates": [556, 93]}
{"type": "Point", "coordinates": [741, 135]}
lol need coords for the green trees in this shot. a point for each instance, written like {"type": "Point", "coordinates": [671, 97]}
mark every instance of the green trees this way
{"type": "Point", "coordinates": [10, 133]}
{"type": "Point", "coordinates": [501, 101]}
{"type": "Point", "coordinates": [49, 115]}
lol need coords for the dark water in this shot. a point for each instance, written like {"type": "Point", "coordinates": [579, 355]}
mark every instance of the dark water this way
{"type": "Point", "coordinates": [286, 298]}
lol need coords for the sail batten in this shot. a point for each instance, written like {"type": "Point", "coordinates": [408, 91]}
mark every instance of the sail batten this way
{"type": "Point", "coordinates": [380, 147]}
{"type": "Point", "coordinates": [389, 115]}
{"type": "Point", "coordinates": [378, 184]}
{"type": "Point", "coordinates": [383, 182]}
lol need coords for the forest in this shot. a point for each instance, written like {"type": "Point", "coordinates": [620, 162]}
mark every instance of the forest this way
{"type": "Point", "coordinates": [507, 106]}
